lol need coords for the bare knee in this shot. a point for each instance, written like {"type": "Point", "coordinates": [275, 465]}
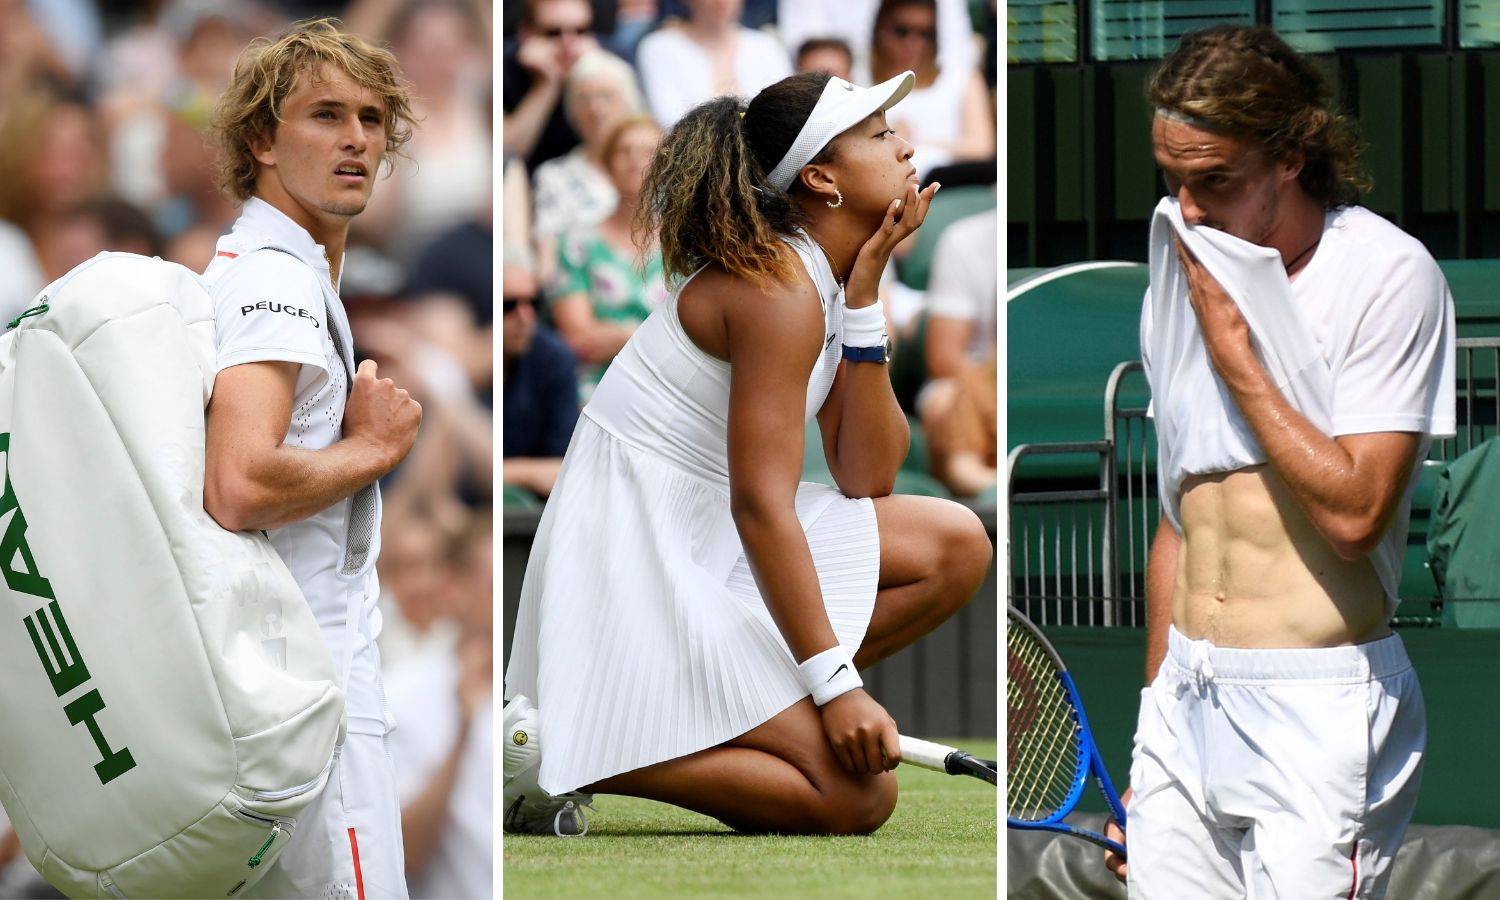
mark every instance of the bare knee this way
{"type": "Point", "coordinates": [966, 553]}
{"type": "Point", "coordinates": [858, 808]}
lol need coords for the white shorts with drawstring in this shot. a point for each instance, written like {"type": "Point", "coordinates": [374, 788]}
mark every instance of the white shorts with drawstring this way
{"type": "Point", "coordinates": [1274, 773]}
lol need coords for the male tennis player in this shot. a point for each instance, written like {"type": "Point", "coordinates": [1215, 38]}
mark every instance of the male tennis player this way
{"type": "Point", "coordinates": [296, 436]}
{"type": "Point", "coordinates": [1279, 745]}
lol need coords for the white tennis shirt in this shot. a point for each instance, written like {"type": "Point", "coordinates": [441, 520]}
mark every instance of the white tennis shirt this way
{"type": "Point", "coordinates": [1380, 312]}
{"type": "Point", "coordinates": [274, 300]}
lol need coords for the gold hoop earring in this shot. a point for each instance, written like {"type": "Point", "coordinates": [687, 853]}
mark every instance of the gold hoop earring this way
{"type": "Point", "coordinates": [836, 193]}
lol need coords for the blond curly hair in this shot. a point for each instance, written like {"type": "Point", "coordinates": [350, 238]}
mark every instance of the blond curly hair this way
{"type": "Point", "coordinates": [1248, 82]}
{"type": "Point", "coordinates": [265, 75]}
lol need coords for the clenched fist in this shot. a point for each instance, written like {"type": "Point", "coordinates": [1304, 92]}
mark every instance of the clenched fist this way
{"type": "Point", "coordinates": [381, 414]}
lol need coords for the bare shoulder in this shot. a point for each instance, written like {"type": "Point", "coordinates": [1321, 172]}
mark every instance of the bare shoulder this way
{"type": "Point", "coordinates": [786, 311]}
{"type": "Point", "coordinates": [721, 311]}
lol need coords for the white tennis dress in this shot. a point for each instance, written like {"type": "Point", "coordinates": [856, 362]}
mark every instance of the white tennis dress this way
{"type": "Point", "coordinates": [641, 634]}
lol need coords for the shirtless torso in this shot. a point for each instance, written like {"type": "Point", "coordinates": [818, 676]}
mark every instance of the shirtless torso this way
{"type": "Point", "coordinates": [1252, 570]}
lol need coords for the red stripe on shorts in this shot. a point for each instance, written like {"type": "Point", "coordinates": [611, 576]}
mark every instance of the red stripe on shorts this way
{"type": "Point", "coordinates": [359, 876]}
{"type": "Point", "coordinates": [226, 253]}
{"type": "Point", "coordinates": [1353, 863]}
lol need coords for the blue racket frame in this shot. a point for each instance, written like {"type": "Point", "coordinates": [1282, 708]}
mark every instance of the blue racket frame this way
{"type": "Point", "coordinates": [1089, 762]}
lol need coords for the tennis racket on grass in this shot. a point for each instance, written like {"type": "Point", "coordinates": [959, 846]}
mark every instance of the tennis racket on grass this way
{"type": "Point", "coordinates": [1050, 752]}
{"type": "Point", "coordinates": [951, 760]}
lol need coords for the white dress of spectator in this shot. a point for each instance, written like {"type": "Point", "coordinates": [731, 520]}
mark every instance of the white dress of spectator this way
{"type": "Point", "coordinates": [423, 694]}
{"type": "Point", "coordinates": [23, 273]}
{"type": "Point", "coordinates": [679, 71]}
{"type": "Point", "coordinates": [572, 191]}
{"type": "Point", "coordinates": [964, 284]}
{"type": "Point", "coordinates": [853, 21]}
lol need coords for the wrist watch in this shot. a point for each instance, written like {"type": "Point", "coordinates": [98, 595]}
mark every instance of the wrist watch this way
{"type": "Point", "coordinates": [880, 354]}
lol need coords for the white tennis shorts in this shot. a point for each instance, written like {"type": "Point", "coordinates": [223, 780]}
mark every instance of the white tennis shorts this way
{"type": "Point", "coordinates": [1274, 773]}
{"type": "Point", "coordinates": [347, 843]}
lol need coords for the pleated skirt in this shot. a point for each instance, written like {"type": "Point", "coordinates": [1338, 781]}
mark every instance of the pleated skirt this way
{"type": "Point", "coordinates": [641, 634]}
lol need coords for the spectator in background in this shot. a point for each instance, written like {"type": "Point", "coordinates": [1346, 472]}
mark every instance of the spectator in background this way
{"type": "Point", "coordinates": [413, 568]}
{"type": "Point", "coordinates": [554, 35]}
{"type": "Point", "coordinates": [52, 162]}
{"type": "Point", "coordinates": [539, 388]}
{"type": "Point", "coordinates": [708, 55]}
{"type": "Point", "coordinates": [853, 21]}
{"type": "Point", "coordinates": [515, 222]}
{"type": "Point", "coordinates": [757, 14]}
{"type": "Point", "coordinates": [459, 262]}
{"type": "Point", "coordinates": [52, 157]}
{"type": "Point", "coordinates": [957, 406]}
{"type": "Point", "coordinates": [441, 695]}
{"type": "Point", "coordinates": [157, 84]}
{"type": "Point", "coordinates": [443, 47]}
{"type": "Point", "coordinates": [78, 234]}
{"type": "Point", "coordinates": [601, 295]}
{"type": "Point", "coordinates": [27, 56]}
{"type": "Point", "coordinates": [574, 190]}
{"type": "Point", "coordinates": [430, 343]}
{"type": "Point", "coordinates": [831, 55]}
{"type": "Point", "coordinates": [633, 20]}
{"type": "Point", "coordinates": [947, 117]}
{"type": "Point", "coordinates": [23, 272]}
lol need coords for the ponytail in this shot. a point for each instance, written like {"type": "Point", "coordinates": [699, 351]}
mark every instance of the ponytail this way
{"type": "Point", "coordinates": [705, 195]}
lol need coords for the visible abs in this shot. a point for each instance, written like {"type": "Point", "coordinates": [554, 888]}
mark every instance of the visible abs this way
{"type": "Point", "coordinates": [1253, 571]}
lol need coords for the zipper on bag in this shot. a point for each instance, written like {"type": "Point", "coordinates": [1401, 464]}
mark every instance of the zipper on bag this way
{"type": "Point", "coordinates": [277, 827]}
{"type": "Point", "coordinates": [260, 854]}
{"type": "Point", "coordinates": [297, 790]}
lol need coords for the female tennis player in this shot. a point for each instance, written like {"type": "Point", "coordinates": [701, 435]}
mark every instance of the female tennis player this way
{"type": "Point", "coordinates": [693, 619]}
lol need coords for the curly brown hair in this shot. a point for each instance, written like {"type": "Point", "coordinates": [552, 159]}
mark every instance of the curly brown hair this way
{"type": "Point", "coordinates": [1248, 82]}
{"type": "Point", "coordinates": [265, 75]}
{"type": "Point", "coordinates": [706, 196]}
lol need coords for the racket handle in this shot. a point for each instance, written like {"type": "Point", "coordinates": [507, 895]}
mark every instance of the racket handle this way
{"type": "Point", "coordinates": [924, 753]}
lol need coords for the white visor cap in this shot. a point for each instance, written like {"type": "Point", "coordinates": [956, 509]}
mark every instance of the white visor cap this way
{"type": "Point", "coordinates": [841, 107]}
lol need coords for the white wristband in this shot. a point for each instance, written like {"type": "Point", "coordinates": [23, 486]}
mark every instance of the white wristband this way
{"type": "Point", "coordinates": [829, 674]}
{"type": "Point", "coordinates": [865, 326]}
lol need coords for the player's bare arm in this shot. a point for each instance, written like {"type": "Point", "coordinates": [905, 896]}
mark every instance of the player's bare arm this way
{"type": "Point", "coordinates": [774, 338]}
{"type": "Point", "coordinates": [1348, 486]}
{"type": "Point", "coordinates": [865, 435]}
{"type": "Point", "coordinates": [254, 480]}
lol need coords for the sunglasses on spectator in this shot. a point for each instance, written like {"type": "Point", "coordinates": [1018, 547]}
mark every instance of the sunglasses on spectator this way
{"type": "Point", "coordinates": [903, 32]}
{"type": "Point", "coordinates": [508, 305]}
{"type": "Point", "coordinates": [571, 32]}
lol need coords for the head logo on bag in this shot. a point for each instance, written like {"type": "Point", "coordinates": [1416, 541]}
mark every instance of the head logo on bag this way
{"type": "Point", "coordinates": [64, 667]}
{"type": "Point", "coordinates": [132, 627]}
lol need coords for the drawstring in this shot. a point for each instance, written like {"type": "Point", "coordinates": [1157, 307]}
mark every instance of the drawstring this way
{"type": "Point", "coordinates": [1202, 666]}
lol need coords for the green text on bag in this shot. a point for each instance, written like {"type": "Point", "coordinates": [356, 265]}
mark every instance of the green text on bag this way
{"type": "Point", "coordinates": [69, 671]}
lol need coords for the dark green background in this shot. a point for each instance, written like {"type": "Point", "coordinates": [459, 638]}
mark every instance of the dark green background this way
{"type": "Point", "coordinates": [1082, 182]}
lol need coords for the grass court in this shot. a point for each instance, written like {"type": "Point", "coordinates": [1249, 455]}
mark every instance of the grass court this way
{"type": "Point", "coordinates": [939, 843]}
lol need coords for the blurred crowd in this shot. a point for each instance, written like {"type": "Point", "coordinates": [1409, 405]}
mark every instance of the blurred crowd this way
{"type": "Point", "coordinates": [104, 110]}
{"type": "Point", "coordinates": [589, 87]}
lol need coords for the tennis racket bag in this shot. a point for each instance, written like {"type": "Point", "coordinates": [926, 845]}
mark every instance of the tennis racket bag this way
{"type": "Point", "coordinates": [167, 703]}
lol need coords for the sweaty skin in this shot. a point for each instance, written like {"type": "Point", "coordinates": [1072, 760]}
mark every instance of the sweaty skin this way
{"type": "Point", "coordinates": [1272, 555]}
{"type": "Point", "coordinates": [1275, 555]}
{"type": "Point", "coordinates": [1253, 571]}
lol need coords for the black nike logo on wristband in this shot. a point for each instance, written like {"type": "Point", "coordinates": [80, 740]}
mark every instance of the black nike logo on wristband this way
{"type": "Point", "coordinates": [842, 667]}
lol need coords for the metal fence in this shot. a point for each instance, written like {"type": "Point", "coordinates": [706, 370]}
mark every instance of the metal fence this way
{"type": "Point", "coordinates": [1077, 549]}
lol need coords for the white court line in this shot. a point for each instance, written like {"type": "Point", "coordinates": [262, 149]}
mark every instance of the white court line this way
{"type": "Point", "coordinates": [1042, 278]}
